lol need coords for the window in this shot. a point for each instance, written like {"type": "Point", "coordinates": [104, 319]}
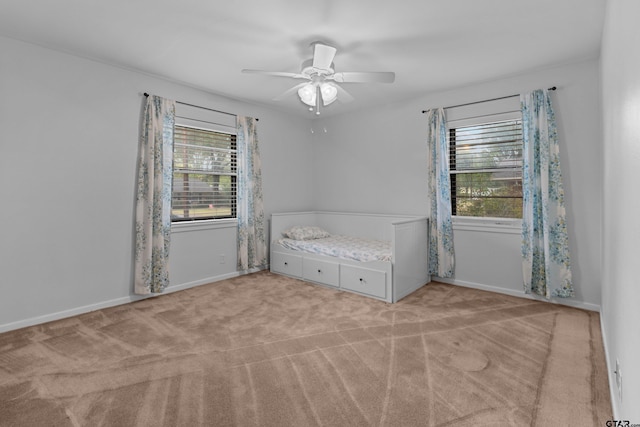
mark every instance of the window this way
{"type": "Point", "coordinates": [204, 174]}
{"type": "Point", "coordinates": [485, 162]}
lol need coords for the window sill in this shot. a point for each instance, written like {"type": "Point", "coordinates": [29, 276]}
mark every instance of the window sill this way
{"type": "Point", "coordinates": [491, 225]}
{"type": "Point", "coordinates": [211, 224]}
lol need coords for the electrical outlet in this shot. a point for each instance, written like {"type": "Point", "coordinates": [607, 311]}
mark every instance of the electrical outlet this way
{"type": "Point", "coordinates": [221, 258]}
{"type": "Point", "coordinates": [618, 373]}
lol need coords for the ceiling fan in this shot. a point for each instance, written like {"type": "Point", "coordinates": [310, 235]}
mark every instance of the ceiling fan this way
{"type": "Point", "coordinates": [321, 80]}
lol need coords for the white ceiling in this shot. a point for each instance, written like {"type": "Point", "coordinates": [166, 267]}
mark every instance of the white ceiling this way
{"type": "Point", "coordinates": [430, 44]}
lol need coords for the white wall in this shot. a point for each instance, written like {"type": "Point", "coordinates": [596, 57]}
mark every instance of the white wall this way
{"type": "Point", "coordinates": [374, 160]}
{"type": "Point", "coordinates": [69, 147]}
{"type": "Point", "coordinates": [621, 123]}
{"type": "Point", "coordinates": [487, 258]}
{"type": "Point", "coordinates": [68, 173]}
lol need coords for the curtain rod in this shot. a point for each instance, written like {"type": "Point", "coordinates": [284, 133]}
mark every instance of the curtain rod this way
{"type": "Point", "coordinates": [204, 108]}
{"type": "Point", "coordinates": [486, 100]}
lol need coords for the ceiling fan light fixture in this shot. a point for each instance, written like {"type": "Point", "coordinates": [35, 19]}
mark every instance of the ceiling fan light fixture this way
{"type": "Point", "coordinates": [307, 94]}
{"type": "Point", "coordinates": [322, 85]}
{"type": "Point", "coordinates": [329, 93]}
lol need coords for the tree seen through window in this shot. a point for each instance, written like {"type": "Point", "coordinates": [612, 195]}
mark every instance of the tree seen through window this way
{"type": "Point", "coordinates": [486, 169]}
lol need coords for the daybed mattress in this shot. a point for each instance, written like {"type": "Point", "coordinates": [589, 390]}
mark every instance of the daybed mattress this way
{"type": "Point", "coordinates": [346, 247]}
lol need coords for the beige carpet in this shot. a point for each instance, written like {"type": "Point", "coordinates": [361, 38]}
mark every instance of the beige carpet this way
{"type": "Point", "coordinates": [265, 350]}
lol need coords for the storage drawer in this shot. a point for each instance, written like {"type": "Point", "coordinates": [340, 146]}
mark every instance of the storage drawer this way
{"type": "Point", "coordinates": [286, 264]}
{"type": "Point", "coordinates": [324, 272]}
{"type": "Point", "coordinates": [364, 280]}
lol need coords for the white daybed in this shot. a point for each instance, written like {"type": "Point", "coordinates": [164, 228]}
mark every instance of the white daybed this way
{"type": "Point", "coordinates": [404, 271]}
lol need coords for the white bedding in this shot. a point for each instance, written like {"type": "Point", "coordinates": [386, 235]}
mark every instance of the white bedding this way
{"type": "Point", "coordinates": [346, 247]}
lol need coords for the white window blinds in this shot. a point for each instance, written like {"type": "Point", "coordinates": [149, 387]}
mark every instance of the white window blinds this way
{"type": "Point", "coordinates": [485, 162]}
{"type": "Point", "coordinates": [204, 174]}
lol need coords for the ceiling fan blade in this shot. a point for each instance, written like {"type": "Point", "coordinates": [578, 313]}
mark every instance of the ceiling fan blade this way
{"type": "Point", "coordinates": [276, 73]}
{"type": "Point", "coordinates": [343, 95]}
{"type": "Point", "coordinates": [365, 77]}
{"type": "Point", "coordinates": [289, 91]}
{"type": "Point", "coordinates": [323, 56]}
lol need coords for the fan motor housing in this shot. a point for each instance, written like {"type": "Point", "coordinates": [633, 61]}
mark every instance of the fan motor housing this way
{"type": "Point", "coordinates": [309, 70]}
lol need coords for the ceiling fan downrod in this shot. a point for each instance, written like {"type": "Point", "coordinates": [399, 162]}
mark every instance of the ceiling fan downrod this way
{"type": "Point", "coordinates": [317, 100]}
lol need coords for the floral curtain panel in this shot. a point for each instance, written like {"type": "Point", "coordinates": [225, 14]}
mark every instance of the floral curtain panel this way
{"type": "Point", "coordinates": [545, 242]}
{"type": "Point", "coordinates": [441, 257]}
{"type": "Point", "coordinates": [252, 247]}
{"type": "Point", "coordinates": [153, 199]}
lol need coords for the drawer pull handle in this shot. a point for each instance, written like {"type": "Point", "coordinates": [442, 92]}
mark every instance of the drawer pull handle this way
{"type": "Point", "coordinates": [286, 263]}
{"type": "Point", "coordinates": [319, 271]}
{"type": "Point", "coordinates": [361, 280]}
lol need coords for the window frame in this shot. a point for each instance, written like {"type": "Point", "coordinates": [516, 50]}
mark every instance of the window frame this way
{"type": "Point", "coordinates": [234, 180]}
{"type": "Point", "coordinates": [460, 121]}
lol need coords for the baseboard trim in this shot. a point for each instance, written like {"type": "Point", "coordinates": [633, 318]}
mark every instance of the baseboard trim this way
{"type": "Point", "coordinates": [32, 321]}
{"type": "Point", "coordinates": [200, 282]}
{"type": "Point", "coordinates": [611, 367]}
{"type": "Point", "coordinates": [571, 303]}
